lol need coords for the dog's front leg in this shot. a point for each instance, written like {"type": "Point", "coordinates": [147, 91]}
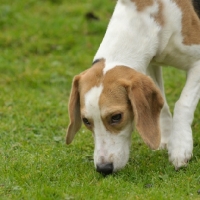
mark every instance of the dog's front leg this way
{"type": "Point", "coordinates": [180, 144]}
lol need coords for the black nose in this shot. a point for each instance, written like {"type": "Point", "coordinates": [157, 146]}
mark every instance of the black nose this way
{"type": "Point", "coordinates": [105, 169]}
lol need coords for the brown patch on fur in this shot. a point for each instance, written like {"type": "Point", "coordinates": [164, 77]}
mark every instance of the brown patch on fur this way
{"type": "Point", "coordinates": [159, 17]}
{"type": "Point", "coordinates": [147, 103]}
{"type": "Point", "coordinates": [142, 4]}
{"type": "Point", "coordinates": [91, 77]}
{"type": "Point", "coordinates": [74, 111]}
{"type": "Point", "coordinates": [134, 95]}
{"type": "Point", "coordinates": [81, 85]}
{"type": "Point", "coordinates": [114, 100]}
{"type": "Point", "coordinates": [190, 23]}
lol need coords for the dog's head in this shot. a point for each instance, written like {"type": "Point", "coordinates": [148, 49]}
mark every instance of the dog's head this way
{"type": "Point", "coordinates": [109, 104]}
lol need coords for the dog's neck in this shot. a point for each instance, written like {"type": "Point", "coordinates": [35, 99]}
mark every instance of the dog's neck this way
{"type": "Point", "coordinates": [131, 38]}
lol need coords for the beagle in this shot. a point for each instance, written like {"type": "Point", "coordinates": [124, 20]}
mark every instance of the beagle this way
{"type": "Point", "coordinates": [124, 87]}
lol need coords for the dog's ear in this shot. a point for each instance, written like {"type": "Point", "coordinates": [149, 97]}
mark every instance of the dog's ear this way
{"type": "Point", "coordinates": [74, 111]}
{"type": "Point", "coordinates": [147, 102]}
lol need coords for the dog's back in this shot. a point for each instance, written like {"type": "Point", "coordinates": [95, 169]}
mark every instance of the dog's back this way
{"type": "Point", "coordinates": [196, 4]}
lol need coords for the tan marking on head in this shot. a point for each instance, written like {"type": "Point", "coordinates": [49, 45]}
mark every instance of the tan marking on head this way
{"type": "Point", "coordinates": [114, 100]}
{"type": "Point", "coordinates": [190, 23]}
{"type": "Point", "coordinates": [82, 83]}
{"type": "Point", "coordinates": [126, 92]}
{"type": "Point", "coordinates": [142, 4]}
{"type": "Point", "coordinates": [134, 95]}
{"type": "Point", "coordinates": [90, 78]}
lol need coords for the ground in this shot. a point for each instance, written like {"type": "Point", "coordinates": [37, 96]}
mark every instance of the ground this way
{"type": "Point", "coordinates": [43, 44]}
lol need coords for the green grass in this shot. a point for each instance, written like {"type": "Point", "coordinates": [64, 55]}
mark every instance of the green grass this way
{"type": "Point", "coordinates": [43, 44]}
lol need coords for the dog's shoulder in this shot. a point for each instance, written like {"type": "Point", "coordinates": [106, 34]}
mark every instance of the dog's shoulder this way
{"type": "Point", "coordinates": [196, 5]}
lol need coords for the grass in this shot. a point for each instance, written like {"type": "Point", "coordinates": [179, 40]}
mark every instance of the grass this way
{"type": "Point", "coordinates": [43, 44]}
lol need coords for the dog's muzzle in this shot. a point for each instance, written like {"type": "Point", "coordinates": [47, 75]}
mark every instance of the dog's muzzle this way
{"type": "Point", "coordinates": [105, 168]}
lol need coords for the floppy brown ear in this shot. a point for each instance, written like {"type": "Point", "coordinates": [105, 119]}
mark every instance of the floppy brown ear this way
{"type": "Point", "coordinates": [147, 103]}
{"type": "Point", "coordinates": [74, 111]}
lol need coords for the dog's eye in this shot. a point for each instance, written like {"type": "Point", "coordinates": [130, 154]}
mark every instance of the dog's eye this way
{"type": "Point", "coordinates": [86, 122]}
{"type": "Point", "coordinates": [116, 118]}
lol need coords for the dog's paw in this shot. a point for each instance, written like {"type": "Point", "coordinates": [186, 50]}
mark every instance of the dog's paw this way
{"type": "Point", "coordinates": [180, 155]}
{"type": "Point", "coordinates": [180, 147]}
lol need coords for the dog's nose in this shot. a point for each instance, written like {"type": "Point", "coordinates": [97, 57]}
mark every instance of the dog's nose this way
{"type": "Point", "coordinates": [105, 169]}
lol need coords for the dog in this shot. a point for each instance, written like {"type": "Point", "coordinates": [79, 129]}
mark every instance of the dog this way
{"type": "Point", "coordinates": [124, 87]}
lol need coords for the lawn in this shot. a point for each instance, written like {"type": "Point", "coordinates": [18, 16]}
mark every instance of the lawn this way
{"type": "Point", "coordinates": [43, 44]}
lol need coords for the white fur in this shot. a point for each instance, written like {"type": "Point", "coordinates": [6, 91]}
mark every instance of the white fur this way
{"type": "Point", "coordinates": [109, 147]}
{"type": "Point", "coordinates": [112, 148]}
{"type": "Point", "coordinates": [128, 40]}
{"type": "Point", "coordinates": [91, 103]}
{"type": "Point", "coordinates": [135, 40]}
